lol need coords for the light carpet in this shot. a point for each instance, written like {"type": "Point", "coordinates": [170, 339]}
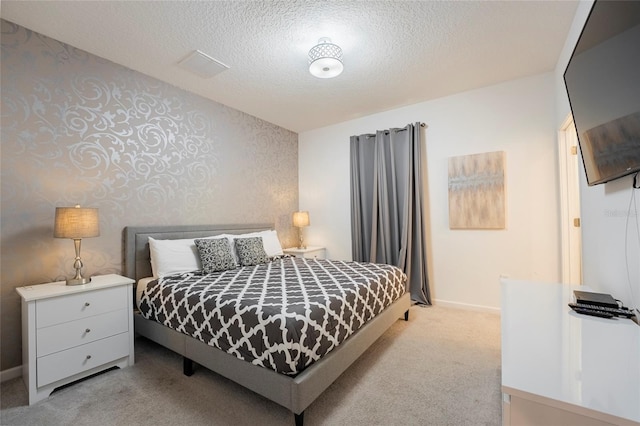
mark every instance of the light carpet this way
{"type": "Point", "coordinates": [442, 367]}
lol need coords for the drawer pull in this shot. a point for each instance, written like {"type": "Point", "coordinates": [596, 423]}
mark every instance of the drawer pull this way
{"type": "Point", "coordinates": [88, 356]}
{"type": "Point", "coordinates": [87, 304]}
{"type": "Point", "coordinates": [88, 330]}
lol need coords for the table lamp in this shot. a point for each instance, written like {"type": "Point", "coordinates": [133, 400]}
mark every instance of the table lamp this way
{"type": "Point", "coordinates": [76, 223]}
{"type": "Point", "coordinates": [300, 220]}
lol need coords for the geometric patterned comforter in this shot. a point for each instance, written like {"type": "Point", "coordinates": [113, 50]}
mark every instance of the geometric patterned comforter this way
{"type": "Point", "coordinates": [283, 315]}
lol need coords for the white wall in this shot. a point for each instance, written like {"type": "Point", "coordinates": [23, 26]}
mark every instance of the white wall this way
{"type": "Point", "coordinates": [516, 117]}
{"type": "Point", "coordinates": [610, 234]}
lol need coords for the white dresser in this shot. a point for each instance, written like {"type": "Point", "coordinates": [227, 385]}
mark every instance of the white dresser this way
{"type": "Point", "coordinates": [308, 252]}
{"type": "Point", "coordinates": [70, 332]}
{"type": "Point", "coordinates": [564, 368]}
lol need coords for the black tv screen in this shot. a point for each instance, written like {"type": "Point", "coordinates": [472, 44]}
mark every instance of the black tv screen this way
{"type": "Point", "coordinates": [603, 84]}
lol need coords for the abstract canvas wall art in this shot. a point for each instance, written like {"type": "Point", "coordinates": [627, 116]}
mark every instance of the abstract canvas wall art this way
{"type": "Point", "coordinates": [477, 191]}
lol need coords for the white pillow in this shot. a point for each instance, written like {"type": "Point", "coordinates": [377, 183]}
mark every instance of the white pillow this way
{"type": "Point", "coordinates": [271, 243]}
{"type": "Point", "coordinates": [174, 256]}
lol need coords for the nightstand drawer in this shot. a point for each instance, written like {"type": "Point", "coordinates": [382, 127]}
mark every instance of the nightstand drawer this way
{"type": "Point", "coordinates": [62, 309]}
{"type": "Point", "coordinates": [64, 364]}
{"type": "Point", "coordinates": [74, 333]}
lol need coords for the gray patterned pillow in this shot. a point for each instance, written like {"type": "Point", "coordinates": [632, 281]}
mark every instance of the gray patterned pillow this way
{"type": "Point", "coordinates": [251, 251]}
{"type": "Point", "coordinates": [215, 255]}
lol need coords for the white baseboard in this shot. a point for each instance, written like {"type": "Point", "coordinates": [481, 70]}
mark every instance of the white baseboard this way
{"type": "Point", "coordinates": [10, 373]}
{"type": "Point", "coordinates": [467, 306]}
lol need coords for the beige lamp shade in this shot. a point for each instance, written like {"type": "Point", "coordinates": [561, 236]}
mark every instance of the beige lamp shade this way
{"type": "Point", "coordinates": [76, 222]}
{"type": "Point", "coordinates": [300, 219]}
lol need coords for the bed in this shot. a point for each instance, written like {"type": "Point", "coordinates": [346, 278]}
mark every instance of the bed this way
{"type": "Point", "coordinates": [294, 390]}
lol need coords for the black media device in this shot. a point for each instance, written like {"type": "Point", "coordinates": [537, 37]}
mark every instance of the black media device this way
{"type": "Point", "coordinates": [599, 305]}
{"type": "Point", "coordinates": [603, 85]}
{"type": "Point", "coordinates": [595, 299]}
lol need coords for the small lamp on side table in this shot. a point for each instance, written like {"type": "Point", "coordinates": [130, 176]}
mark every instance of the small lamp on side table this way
{"type": "Point", "coordinates": [76, 223]}
{"type": "Point", "coordinates": [300, 220]}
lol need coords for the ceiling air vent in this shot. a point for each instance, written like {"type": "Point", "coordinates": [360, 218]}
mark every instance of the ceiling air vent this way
{"type": "Point", "coordinates": [202, 64]}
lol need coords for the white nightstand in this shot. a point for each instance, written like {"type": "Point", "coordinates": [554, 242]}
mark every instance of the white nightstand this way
{"type": "Point", "coordinates": [309, 252]}
{"type": "Point", "coordinates": [70, 332]}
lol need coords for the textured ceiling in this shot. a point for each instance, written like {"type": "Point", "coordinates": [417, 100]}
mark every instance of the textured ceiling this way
{"type": "Point", "coordinates": [395, 52]}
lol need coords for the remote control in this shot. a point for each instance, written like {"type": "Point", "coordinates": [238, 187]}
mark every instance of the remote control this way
{"type": "Point", "coordinates": [615, 311]}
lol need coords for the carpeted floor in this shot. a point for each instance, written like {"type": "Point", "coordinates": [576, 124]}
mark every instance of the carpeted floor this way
{"type": "Point", "coordinates": [442, 367]}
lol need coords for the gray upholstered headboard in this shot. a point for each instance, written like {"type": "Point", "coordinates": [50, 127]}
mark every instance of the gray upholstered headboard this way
{"type": "Point", "coordinates": [137, 262]}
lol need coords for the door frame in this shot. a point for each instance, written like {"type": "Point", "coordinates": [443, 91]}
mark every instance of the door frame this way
{"type": "Point", "coordinates": [568, 171]}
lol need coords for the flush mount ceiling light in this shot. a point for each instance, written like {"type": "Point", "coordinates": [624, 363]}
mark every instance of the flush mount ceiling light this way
{"type": "Point", "coordinates": [325, 59]}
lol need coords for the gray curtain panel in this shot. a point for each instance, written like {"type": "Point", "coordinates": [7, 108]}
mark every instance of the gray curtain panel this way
{"type": "Point", "coordinates": [387, 223]}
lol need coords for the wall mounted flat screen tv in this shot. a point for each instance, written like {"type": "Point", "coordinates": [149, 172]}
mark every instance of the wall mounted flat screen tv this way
{"type": "Point", "coordinates": [603, 84]}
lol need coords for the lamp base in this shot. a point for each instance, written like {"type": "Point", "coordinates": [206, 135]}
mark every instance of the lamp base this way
{"type": "Point", "coordinates": [78, 281]}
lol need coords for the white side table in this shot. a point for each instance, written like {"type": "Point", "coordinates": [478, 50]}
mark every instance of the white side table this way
{"type": "Point", "coordinates": [308, 252]}
{"type": "Point", "coordinates": [70, 332]}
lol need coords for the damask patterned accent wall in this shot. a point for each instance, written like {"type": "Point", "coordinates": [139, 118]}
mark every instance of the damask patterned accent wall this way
{"type": "Point", "coordinates": [78, 129]}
